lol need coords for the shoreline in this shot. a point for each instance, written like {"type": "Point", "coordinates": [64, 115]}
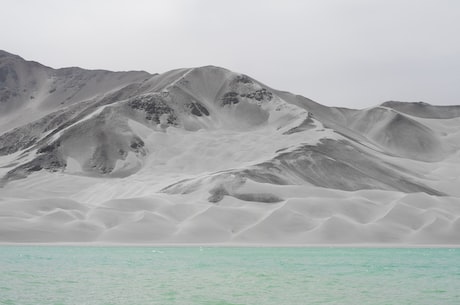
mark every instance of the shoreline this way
{"type": "Point", "coordinates": [229, 245]}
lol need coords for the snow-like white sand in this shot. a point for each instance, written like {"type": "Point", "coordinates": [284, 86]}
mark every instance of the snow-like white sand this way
{"type": "Point", "coordinates": [210, 169]}
{"type": "Point", "coordinates": [71, 207]}
{"type": "Point", "coordinates": [307, 215]}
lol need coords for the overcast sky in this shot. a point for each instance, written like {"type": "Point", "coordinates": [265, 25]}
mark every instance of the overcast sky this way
{"type": "Point", "coordinates": [351, 53]}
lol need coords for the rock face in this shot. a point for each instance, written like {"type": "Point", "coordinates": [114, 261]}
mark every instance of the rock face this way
{"type": "Point", "coordinates": [190, 149]}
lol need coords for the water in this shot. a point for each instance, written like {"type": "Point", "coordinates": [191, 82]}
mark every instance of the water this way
{"type": "Point", "coordinates": [152, 275]}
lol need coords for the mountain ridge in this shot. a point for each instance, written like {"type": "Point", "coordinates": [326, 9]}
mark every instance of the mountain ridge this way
{"type": "Point", "coordinates": [225, 143]}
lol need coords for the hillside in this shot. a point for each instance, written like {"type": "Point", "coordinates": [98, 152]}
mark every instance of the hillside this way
{"type": "Point", "coordinates": [207, 155]}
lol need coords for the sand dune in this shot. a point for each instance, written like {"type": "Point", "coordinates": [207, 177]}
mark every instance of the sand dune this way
{"type": "Point", "coordinates": [327, 217]}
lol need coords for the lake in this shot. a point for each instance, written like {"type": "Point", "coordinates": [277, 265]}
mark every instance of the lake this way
{"type": "Point", "coordinates": [228, 275]}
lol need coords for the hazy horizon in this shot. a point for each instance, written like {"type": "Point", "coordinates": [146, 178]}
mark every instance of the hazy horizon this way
{"type": "Point", "coordinates": [351, 53]}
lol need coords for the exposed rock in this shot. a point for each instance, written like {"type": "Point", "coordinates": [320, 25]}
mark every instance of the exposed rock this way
{"type": "Point", "coordinates": [154, 107]}
{"type": "Point", "coordinates": [198, 109]}
{"type": "Point", "coordinates": [217, 194]}
{"type": "Point", "coordinates": [244, 79]}
{"type": "Point", "coordinates": [230, 98]}
{"type": "Point", "coordinates": [259, 95]}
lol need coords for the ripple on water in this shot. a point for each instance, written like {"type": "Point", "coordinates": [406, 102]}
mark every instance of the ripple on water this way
{"type": "Point", "coordinates": [143, 275]}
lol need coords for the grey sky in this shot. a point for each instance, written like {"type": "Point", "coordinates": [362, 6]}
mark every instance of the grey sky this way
{"type": "Point", "coordinates": [352, 53]}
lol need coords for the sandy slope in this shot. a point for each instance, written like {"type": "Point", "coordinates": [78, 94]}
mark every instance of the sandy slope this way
{"type": "Point", "coordinates": [306, 215]}
{"type": "Point", "coordinates": [206, 155]}
{"type": "Point", "coordinates": [71, 207]}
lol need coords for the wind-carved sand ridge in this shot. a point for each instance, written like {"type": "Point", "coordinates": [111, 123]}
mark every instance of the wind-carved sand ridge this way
{"type": "Point", "coordinates": [206, 155]}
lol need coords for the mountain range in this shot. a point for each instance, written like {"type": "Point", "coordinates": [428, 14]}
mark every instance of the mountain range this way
{"type": "Point", "coordinates": [207, 155]}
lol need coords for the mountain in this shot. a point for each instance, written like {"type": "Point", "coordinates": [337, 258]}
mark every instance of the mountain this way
{"type": "Point", "coordinates": [207, 155]}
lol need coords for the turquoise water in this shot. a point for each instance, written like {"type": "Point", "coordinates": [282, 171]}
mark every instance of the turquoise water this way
{"type": "Point", "coordinates": [152, 275]}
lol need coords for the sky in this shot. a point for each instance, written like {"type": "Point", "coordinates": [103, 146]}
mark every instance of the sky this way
{"type": "Point", "coordinates": [347, 53]}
